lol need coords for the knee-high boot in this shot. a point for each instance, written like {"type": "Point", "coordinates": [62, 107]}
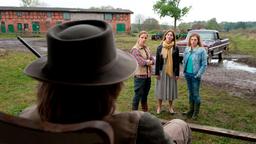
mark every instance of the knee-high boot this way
{"type": "Point", "coordinates": [196, 111]}
{"type": "Point", "coordinates": [134, 107]}
{"type": "Point", "coordinates": [144, 107]}
{"type": "Point", "coordinates": [191, 110]}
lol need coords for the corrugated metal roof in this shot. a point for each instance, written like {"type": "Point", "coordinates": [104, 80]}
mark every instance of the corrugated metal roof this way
{"type": "Point", "coordinates": [75, 10]}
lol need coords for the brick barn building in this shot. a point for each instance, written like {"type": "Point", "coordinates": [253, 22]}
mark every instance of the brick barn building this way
{"type": "Point", "coordinates": [39, 19]}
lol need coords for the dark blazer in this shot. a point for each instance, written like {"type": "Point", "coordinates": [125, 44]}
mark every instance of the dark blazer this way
{"type": "Point", "coordinates": [160, 61]}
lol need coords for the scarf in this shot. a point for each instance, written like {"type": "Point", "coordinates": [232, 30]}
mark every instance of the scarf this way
{"type": "Point", "coordinates": [167, 54]}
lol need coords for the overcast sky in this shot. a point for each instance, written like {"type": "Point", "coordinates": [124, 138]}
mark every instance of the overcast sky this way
{"type": "Point", "coordinates": [202, 10]}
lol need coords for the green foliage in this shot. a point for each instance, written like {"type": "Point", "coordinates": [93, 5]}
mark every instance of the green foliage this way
{"type": "Point", "coordinates": [170, 8]}
{"type": "Point", "coordinates": [228, 26]}
{"type": "Point", "coordinates": [183, 27]}
{"type": "Point", "coordinates": [164, 27]}
{"type": "Point", "coordinates": [213, 24]}
{"type": "Point", "coordinates": [135, 28]}
{"type": "Point", "coordinates": [149, 24]}
{"type": "Point", "coordinates": [223, 26]}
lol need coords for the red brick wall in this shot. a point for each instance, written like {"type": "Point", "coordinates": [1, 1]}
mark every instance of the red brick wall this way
{"type": "Point", "coordinates": [45, 22]}
{"type": "Point", "coordinates": [10, 17]}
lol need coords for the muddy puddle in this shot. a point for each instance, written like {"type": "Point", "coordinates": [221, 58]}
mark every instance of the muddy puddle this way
{"type": "Point", "coordinates": [237, 78]}
{"type": "Point", "coordinates": [233, 65]}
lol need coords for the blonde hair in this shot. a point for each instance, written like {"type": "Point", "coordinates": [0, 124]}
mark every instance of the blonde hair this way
{"type": "Point", "coordinates": [137, 42]}
{"type": "Point", "coordinates": [142, 32]}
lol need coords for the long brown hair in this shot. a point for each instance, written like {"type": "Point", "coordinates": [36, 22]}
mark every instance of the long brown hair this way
{"type": "Point", "coordinates": [173, 33]}
{"type": "Point", "coordinates": [199, 43]}
{"type": "Point", "coordinates": [60, 103]}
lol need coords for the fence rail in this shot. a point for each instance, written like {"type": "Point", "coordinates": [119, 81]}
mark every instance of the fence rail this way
{"type": "Point", "coordinates": [221, 132]}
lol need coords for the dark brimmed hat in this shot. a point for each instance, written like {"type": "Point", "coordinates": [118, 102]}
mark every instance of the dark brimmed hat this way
{"type": "Point", "coordinates": [82, 53]}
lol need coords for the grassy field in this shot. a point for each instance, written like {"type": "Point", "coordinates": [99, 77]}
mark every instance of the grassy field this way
{"type": "Point", "coordinates": [242, 42]}
{"type": "Point", "coordinates": [12, 35]}
{"type": "Point", "coordinates": [219, 109]}
{"type": "Point", "coordinates": [125, 42]}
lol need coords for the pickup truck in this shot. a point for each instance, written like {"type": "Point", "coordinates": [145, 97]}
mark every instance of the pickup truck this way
{"type": "Point", "coordinates": [211, 40]}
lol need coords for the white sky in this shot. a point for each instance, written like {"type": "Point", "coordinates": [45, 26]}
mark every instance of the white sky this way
{"type": "Point", "coordinates": [202, 10]}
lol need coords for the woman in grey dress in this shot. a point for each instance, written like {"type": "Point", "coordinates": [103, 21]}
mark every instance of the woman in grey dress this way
{"type": "Point", "coordinates": [167, 71]}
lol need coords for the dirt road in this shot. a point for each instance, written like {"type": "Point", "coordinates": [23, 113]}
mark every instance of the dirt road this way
{"type": "Point", "coordinates": [236, 78]}
{"type": "Point", "coordinates": [230, 75]}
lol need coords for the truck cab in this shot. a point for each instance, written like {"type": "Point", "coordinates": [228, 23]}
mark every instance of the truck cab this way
{"type": "Point", "coordinates": [211, 40]}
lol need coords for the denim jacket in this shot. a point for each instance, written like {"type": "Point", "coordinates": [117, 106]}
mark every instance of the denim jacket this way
{"type": "Point", "coordinates": [199, 58]}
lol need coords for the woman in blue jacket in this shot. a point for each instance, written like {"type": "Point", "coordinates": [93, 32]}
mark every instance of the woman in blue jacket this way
{"type": "Point", "coordinates": [195, 64]}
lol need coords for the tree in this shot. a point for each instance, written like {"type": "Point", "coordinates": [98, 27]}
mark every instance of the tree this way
{"type": "Point", "coordinates": [170, 8]}
{"type": "Point", "coordinates": [183, 27]}
{"type": "Point", "coordinates": [26, 3]}
{"type": "Point", "coordinates": [139, 19]}
{"type": "Point", "coordinates": [213, 24]}
{"type": "Point", "coordinates": [32, 3]}
{"type": "Point", "coordinates": [107, 7]}
{"type": "Point", "coordinates": [198, 25]}
{"type": "Point", "coordinates": [165, 26]}
{"type": "Point", "coordinates": [150, 24]}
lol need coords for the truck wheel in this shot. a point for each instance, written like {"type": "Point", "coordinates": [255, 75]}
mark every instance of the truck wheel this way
{"type": "Point", "coordinates": [209, 59]}
{"type": "Point", "coordinates": [180, 60]}
{"type": "Point", "coordinates": [220, 56]}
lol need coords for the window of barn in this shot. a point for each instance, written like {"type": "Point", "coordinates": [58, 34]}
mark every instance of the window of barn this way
{"type": "Point", "coordinates": [49, 14]}
{"type": "Point", "coordinates": [108, 16]}
{"type": "Point", "coordinates": [19, 14]}
{"type": "Point", "coordinates": [66, 16]}
{"type": "Point", "coordinates": [117, 17]}
{"type": "Point", "coordinates": [26, 27]}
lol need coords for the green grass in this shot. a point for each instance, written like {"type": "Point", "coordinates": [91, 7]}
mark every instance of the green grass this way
{"type": "Point", "coordinates": [242, 42]}
{"type": "Point", "coordinates": [16, 90]}
{"type": "Point", "coordinates": [219, 109]}
{"type": "Point", "coordinates": [14, 35]}
{"type": "Point", "coordinates": [7, 35]}
{"type": "Point", "coordinates": [126, 42]}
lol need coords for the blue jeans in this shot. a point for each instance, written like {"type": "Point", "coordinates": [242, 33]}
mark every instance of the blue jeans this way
{"type": "Point", "coordinates": [141, 90]}
{"type": "Point", "coordinates": [193, 88]}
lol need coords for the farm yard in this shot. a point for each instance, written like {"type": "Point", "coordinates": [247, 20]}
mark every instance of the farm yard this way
{"type": "Point", "coordinates": [228, 87]}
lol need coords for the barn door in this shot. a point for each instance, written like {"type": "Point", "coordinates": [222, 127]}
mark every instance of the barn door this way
{"type": "Point", "coordinates": [120, 27]}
